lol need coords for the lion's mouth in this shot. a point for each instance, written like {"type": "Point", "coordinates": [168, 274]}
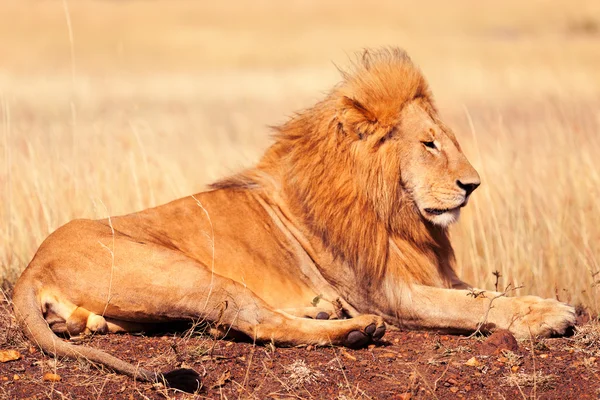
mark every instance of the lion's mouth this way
{"type": "Point", "coordinates": [437, 211]}
{"type": "Point", "coordinates": [440, 211]}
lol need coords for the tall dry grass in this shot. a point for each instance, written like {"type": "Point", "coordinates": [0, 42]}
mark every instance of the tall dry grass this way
{"type": "Point", "coordinates": [142, 102]}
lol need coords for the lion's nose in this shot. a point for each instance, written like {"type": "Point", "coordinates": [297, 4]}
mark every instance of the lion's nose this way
{"type": "Point", "coordinates": [468, 187]}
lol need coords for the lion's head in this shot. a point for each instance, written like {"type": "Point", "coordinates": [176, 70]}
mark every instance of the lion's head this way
{"type": "Point", "coordinates": [384, 106]}
{"type": "Point", "coordinates": [371, 162]}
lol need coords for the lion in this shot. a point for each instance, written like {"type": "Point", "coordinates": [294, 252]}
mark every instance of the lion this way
{"type": "Point", "coordinates": [340, 228]}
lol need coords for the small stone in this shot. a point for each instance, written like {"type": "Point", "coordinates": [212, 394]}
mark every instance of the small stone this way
{"type": "Point", "coordinates": [404, 396]}
{"type": "Point", "coordinates": [50, 377]}
{"type": "Point", "coordinates": [543, 355]}
{"type": "Point", "coordinates": [388, 355]}
{"type": "Point", "coordinates": [5, 378]}
{"type": "Point", "coordinates": [16, 377]}
{"type": "Point", "coordinates": [396, 340]}
{"type": "Point", "coordinates": [452, 381]}
{"type": "Point", "coordinates": [468, 388]}
{"type": "Point", "coordinates": [498, 341]}
{"type": "Point", "coordinates": [453, 389]}
{"type": "Point", "coordinates": [310, 347]}
{"type": "Point", "coordinates": [473, 362]}
{"type": "Point", "coordinates": [32, 349]}
{"type": "Point", "coordinates": [514, 368]}
{"type": "Point", "coordinates": [9, 355]}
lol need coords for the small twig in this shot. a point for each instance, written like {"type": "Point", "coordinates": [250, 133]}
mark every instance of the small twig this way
{"type": "Point", "coordinates": [440, 377]}
{"type": "Point", "coordinates": [476, 294]}
{"type": "Point", "coordinates": [497, 275]}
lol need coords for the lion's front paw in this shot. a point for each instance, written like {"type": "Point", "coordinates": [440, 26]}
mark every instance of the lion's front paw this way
{"type": "Point", "coordinates": [366, 329]}
{"type": "Point", "coordinates": [534, 316]}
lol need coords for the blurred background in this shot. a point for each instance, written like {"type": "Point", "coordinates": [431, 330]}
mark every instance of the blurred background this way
{"type": "Point", "coordinates": [108, 107]}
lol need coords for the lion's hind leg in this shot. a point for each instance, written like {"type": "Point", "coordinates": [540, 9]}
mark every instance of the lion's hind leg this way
{"type": "Point", "coordinates": [65, 317]}
{"type": "Point", "coordinates": [85, 322]}
{"type": "Point", "coordinates": [233, 307]}
{"type": "Point", "coordinates": [82, 321]}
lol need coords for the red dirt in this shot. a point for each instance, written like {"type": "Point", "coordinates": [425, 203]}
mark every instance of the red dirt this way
{"type": "Point", "coordinates": [405, 365]}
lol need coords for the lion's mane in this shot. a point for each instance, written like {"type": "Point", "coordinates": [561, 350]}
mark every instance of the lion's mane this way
{"type": "Point", "coordinates": [348, 199]}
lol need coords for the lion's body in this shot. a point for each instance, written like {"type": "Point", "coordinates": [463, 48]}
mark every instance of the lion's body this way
{"type": "Point", "coordinates": [345, 217]}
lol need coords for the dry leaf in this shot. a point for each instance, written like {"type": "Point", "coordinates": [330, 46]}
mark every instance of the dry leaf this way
{"type": "Point", "coordinates": [473, 362]}
{"type": "Point", "coordinates": [9, 355]}
{"type": "Point", "coordinates": [348, 355]}
{"type": "Point", "coordinates": [50, 377]}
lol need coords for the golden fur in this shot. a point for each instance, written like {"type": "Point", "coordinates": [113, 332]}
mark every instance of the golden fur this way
{"type": "Point", "coordinates": [350, 205]}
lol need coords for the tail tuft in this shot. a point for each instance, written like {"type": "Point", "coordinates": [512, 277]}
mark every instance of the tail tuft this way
{"type": "Point", "coordinates": [184, 379]}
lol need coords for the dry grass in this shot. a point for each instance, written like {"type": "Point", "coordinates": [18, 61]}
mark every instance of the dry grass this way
{"type": "Point", "coordinates": [537, 379]}
{"type": "Point", "coordinates": [301, 374]}
{"type": "Point", "coordinates": [155, 99]}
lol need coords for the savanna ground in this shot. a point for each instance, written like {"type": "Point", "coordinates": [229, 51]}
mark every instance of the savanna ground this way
{"type": "Point", "coordinates": [110, 107]}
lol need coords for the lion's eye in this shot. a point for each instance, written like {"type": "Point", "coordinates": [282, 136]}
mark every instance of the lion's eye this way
{"type": "Point", "coordinates": [431, 145]}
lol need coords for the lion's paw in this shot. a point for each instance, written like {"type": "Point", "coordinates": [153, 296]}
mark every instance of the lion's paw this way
{"type": "Point", "coordinates": [373, 328]}
{"type": "Point", "coordinates": [534, 316]}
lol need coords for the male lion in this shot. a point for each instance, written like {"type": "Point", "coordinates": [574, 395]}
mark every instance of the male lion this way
{"type": "Point", "coordinates": [342, 225]}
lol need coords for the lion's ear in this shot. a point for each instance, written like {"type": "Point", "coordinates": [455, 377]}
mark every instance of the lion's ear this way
{"type": "Point", "coordinates": [355, 117]}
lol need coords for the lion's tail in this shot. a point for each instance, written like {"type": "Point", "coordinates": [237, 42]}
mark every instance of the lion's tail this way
{"type": "Point", "coordinates": [30, 318]}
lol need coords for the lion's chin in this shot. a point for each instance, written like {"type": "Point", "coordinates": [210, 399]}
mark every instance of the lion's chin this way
{"type": "Point", "coordinates": [442, 217]}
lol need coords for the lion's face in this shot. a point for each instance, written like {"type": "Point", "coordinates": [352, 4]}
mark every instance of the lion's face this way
{"type": "Point", "coordinates": [433, 170]}
{"type": "Point", "coordinates": [402, 149]}
{"type": "Point", "coordinates": [417, 157]}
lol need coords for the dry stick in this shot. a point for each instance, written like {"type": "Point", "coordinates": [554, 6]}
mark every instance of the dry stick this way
{"type": "Point", "coordinates": [489, 307]}
{"type": "Point", "coordinates": [250, 358]}
{"type": "Point", "coordinates": [145, 159]}
{"type": "Point", "coordinates": [415, 369]}
{"type": "Point", "coordinates": [72, 49]}
{"type": "Point", "coordinates": [285, 385]}
{"type": "Point", "coordinates": [440, 377]}
{"type": "Point", "coordinates": [497, 274]}
{"type": "Point", "coordinates": [211, 238]}
{"type": "Point", "coordinates": [520, 389]}
{"type": "Point", "coordinates": [6, 124]}
{"type": "Point", "coordinates": [112, 256]}
{"type": "Point", "coordinates": [342, 369]}
{"type": "Point", "coordinates": [102, 388]}
{"type": "Point", "coordinates": [534, 396]}
{"type": "Point", "coordinates": [486, 248]}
